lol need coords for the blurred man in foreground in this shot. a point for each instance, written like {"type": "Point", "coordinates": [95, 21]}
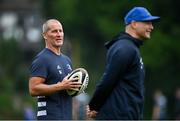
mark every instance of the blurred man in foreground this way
{"type": "Point", "coordinates": [120, 93]}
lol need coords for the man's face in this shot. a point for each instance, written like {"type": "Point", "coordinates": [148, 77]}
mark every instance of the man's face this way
{"type": "Point", "coordinates": [143, 30]}
{"type": "Point", "coordinates": [54, 36]}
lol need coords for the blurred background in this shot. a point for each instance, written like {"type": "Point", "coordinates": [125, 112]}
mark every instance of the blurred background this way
{"type": "Point", "coordinates": [88, 24]}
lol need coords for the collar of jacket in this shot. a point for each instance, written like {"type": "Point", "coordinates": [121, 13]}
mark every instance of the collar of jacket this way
{"type": "Point", "coordinates": [123, 35]}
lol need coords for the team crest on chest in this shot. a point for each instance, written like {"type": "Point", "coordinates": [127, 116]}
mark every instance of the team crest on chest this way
{"type": "Point", "coordinates": [59, 69]}
{"type": "Point", "coordinates": [141, 62]}
{"type": "Point", "coordinates": [69, 67]}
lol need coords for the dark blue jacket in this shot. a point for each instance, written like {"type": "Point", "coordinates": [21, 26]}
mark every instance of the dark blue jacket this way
{"type": "Point", "coordinates": [120, 93]}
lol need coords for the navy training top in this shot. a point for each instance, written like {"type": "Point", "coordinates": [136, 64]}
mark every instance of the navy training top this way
{"type": "Point", "coordinates": [53, 68]}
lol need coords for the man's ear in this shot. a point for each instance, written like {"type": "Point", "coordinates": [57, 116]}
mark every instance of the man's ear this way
{"type": "Point", "coordinates": [44, 36]}
{"type": "Point", "coordinates": [133, 24]}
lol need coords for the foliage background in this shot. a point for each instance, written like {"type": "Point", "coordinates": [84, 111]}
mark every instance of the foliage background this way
{"type": "Point", "coordinates": [88, 24]}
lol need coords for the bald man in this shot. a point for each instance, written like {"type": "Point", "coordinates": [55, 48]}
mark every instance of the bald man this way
{"type": "Point", "coordinates": [48, 76]}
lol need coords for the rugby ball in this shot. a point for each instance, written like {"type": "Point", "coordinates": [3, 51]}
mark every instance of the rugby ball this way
{"type": "Point", "coordinates": [83, 77]}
